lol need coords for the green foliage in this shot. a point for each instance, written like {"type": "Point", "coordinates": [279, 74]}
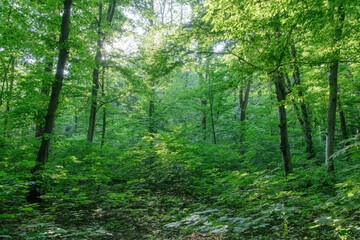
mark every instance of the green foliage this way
{"type": "Point", "coordinates": [175, 182]}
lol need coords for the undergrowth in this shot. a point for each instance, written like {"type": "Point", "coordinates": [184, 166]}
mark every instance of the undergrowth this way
{"type": "Point", "coordinates": [173, 190]}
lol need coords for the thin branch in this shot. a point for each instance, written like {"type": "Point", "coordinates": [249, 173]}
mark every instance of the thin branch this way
{"type": "Point", "coordinates": [104, 103]}
{"type": "Point", "coordinates": [243, 60]}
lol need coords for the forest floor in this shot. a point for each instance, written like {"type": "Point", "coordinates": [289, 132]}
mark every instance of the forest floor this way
{"type": "Point", "coordinates": [98, 199]}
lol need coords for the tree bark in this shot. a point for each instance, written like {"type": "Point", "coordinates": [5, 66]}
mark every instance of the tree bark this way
{"type": "Point", "coordinates": [95, 81]}
{"type": "Point", "coordinates": [203, 118]}
{"type": "Point", "coordinates": [305, 117]}
{"type": "Point", "coordinates": [76, 121]}
{"type": "Point", "coordinates": [212, 122]}
{"type": "Point", "coordinates": [333, 90]}
{"type": "Point", "coordinates": [9, 97]}
{"type": "Point", "coordinates": [43, 153]}
{"type": "Point", "coordinates": [342, 121]}
{"type": "Point", "coordinates": [104, 108]}
{"type": "Point", "coordinates": [243, 100]}
{"type": "Point", "coordinates": [152, 100]}
{"type": "Point", "coordinates": [171, 12]}
{"type": "Point", "coordinates": [7, 70]}
{"type": "Point", "coordinates": [296, 107]}
{"type": "Point", "coordinates": [330, 132]}
{"type": "Point", "coordinates": [152, 129]}
{"type": "Point", "coordinates": [343, 128]}
{"type": "Point", "coordinates": [284, 141]}
{"type": "Point", "coordinates": [203, 112]}
{"type": "Point", "coordinates": [211, 104]}
{"type": "Point", "coordinates": [95, 75]}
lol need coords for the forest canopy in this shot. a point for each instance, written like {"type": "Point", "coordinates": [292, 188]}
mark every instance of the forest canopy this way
{"type": "Point", "coordinates": [179, 119]}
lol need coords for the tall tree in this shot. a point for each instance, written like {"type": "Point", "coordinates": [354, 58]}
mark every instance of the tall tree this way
{"type": "Point", "coordinates": [98, 60]}
{"type": "Point", "coordinates": [203, 102]}
{"type": "Point", "coordinates": [280, 89]}
{"type": "Point", "coordinates": [305, 121]}
{"type": "Point", "coordinates": [333, 90]}
{"type": "Point", "coordinates": [244, 93]}
{"type": "Point", "coordinates": [43, 152]}
{"type": "Point", "coordinates": [104, 107]}
{"type": "Point", "coordinates": [265, 48]}
{"type": "Point", "coordinates": [9, 89]}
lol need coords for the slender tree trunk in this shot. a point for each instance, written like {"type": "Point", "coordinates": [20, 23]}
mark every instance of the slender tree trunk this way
{"type": "Point", "coordinates": [104, 108]}
{"type": "Point", "coordinates": [203, 118]}
{"type": "Point", "coordinates": [42, 156]}
{"type": "Point", "coordinates": [9, 97]}
{"type": "Point", "coordinates": [152, 110]}
{"type": "Point", "coordinates": [343, 128]}
{"type": "Point", "coordinates": [243, 100]}
{"type": "Point", "coordinates": [305, 117]}
{"type": "Point", "coordinates": [181, 14]}
{"type": "Point", "coordinates": [203, 112]}
{"type": "Point", "coordinates": [330, 134]}
{"type": "Point", "coordinates": [284, 141]}
{"type": "Point", "coordinates": [95, 80]}
{"type": "Point", "coordinates": [171, 12]}
{"type": "Point", "coordinates": [212, 121]}
{"type": "Point", "coordinates": [296, 107]}
{"type": "Point", "coordinates": [342, 121]}
{"type": "Point", "coordinates": [152, 130]}
{"type": "Point", "coordinates": [94, 90]}
{"type": "Point", "coordinates": [7, 70]}
{"type": "Point", "coordinates": [95, 75]}
{"type": "Point", "coordinates": [162, 10]}
{"type": "Point", "coordinates": [211, 104]}
{"type": "Point", "coordinates": [76, 121]}
{"type": "Point", "coordinates": [152, 100]}
{"type": "Point", "coordinates": [333, 90]}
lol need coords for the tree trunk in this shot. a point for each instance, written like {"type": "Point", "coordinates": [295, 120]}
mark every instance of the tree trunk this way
{"type": "Point", "coordinates": [7, 70]}
{"type": "Point", "coordinates": [203, 112]}
{"type": "Point", "coordinates": [95, 81]}
{"type": "Point", "coordinates": [333, 89]}
{"type": "Point", "coordinates": [284, 141]}
{"type": "Point", "coordinates": [211, 104]}
{"type": "Point", "coordinates": [95, 75]}
{"type": "Point", "coordinates": [243, 100]}
{"type": "Point", "coordinates": [171, 12]}
{"type": "Point", "coordinates": [152, 110]}
{"type": "Point", "coordinates": [76, 122]}
{"type": "Point", "coordinates": [296, 107]}
{"type": "Point", "coordinates": [330, 133]}
{"type": "Point", "coordinates": [342, 121]}
{"type": "Point", "coordinates": [42, 156]}
{"type": "Point", "coordinates": [104, 108]}
{"type": "Point", "coordinates": [305, 117]}
{"type": "Point", "coordinates": [9, 97]}
{"type": "Point", "coordinates": [343, 128]}
{"type": "Point", "coordinates": [212, 121]}
{"type": "Point", "coordinates": [203, 118]}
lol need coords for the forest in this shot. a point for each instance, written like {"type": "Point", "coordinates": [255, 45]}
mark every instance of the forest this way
{"type": "Point", "coordinates": [180, 119]}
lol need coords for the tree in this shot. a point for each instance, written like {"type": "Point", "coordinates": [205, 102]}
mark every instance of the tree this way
{"type": "Point", "coordinates": [98, 59]}
{"type": "Point", "coordinates": [333, 90]}
{"type": "Point", "coordinates": [304, 120]}
{"type": "Point", "coordinates": [269, 46]}
{"type": "Point", "coordinates": [43, 152]}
